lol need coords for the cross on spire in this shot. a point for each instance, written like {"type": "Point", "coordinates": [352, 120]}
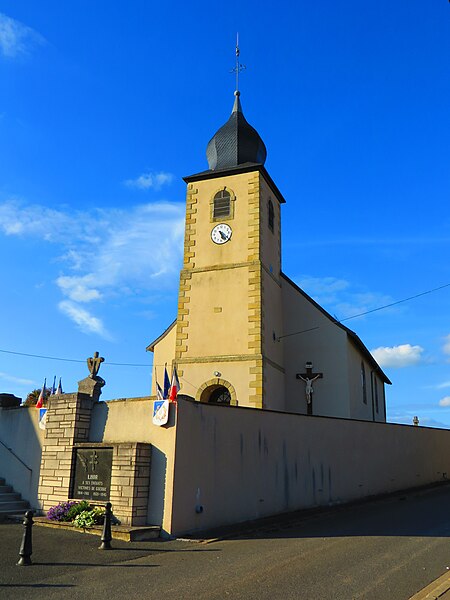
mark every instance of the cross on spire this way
{"type": "Point", "coordinates": [238, 67]}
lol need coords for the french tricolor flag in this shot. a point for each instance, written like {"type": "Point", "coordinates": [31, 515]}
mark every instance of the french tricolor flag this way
{"type": "Point", "coordinates": [40, 402]}
{"type": "Point", "coordinates": [175, 386]}
{"type": "Point", "coordinates": [166, 384]}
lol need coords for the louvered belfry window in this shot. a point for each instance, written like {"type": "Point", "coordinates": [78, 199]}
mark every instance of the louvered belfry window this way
{"type": "Point", "coordinates": [222, 204]}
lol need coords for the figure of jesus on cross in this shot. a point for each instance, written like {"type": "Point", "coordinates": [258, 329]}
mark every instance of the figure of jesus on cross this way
{"type": "Point", "coordinates": [309, 377]}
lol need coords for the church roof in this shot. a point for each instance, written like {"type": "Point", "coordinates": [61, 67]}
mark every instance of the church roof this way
{"type": "Point", "coordinates": [244, 168]}
{"type": "Point", "coordinates": [351, 334]}
{"type": "Point", "coordinates": [236, 142]}
{"type": "Point", "coordinates": [151, 346]}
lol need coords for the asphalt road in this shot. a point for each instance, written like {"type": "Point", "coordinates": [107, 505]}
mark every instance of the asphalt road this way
{"type": "Point", "coordinates": [384, 550]}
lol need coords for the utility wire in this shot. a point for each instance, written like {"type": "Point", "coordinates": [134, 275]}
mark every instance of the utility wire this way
{"type": "Point", "coordinates": [75, 360]}
{"type": "Point", "coordinates": [368, 312]}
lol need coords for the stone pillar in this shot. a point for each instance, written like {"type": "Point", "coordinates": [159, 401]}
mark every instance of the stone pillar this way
{"type": "Point", "coordinates": [130, 482]}
{"type": "Point", "coordinates": [67, 423]}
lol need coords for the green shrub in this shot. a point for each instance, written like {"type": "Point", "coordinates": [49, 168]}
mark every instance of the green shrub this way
{"type": "Point", "coordinates": [76, 509]}
{"type": "Point", "coordinates": [89, 518]}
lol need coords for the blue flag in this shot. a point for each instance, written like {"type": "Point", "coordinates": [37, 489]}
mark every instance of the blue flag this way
{"type": "Point", "coordinates": [166, 383]}
{"type": "Point", "coordinates": [53, 392]}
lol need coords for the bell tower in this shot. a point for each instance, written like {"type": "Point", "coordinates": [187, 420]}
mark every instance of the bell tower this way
{"type": "Point", "coordinates": [230, 303]}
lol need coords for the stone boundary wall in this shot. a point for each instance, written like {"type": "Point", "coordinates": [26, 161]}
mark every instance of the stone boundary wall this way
{"type": "Point", "coordinates": [68, 419]}
{"type": "Point", "coordinates": [130, 480]}
{"type": "Point", "coordinates": [127, 421]}
{"type": "Point", "coordinates": [19, 431]}
{"type": "Point", "coordinates": [235, 464]}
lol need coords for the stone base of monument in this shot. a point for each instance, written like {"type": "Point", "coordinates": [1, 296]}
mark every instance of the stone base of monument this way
{"type": "Point", "coordinates": [118, 532]}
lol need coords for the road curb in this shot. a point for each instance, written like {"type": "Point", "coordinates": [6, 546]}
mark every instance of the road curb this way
{"type": "Point", "coordinates": [439, 588]}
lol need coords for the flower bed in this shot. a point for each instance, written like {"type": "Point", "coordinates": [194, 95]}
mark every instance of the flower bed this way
{"type": "Point", "coordinates": [80, 514]}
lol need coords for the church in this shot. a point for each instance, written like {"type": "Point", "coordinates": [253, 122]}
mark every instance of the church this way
{"type": "Point", "coordinates": [245, 333]}
{"type": "Point", "coordinates": [256, 358]}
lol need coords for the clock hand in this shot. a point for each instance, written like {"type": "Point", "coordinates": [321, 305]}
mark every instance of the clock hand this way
{"type": "Point", "coordinates": [222, 235]}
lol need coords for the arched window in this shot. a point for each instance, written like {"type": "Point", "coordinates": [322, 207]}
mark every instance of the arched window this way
{"type": "Point", "coordinates": [363, 382]}
{"type": "Point", "coordinates": [222, 204]}
{"type": "Point", "coordinates": [376, 391]}
{"type": "Point", "coordinates": [271, 215]}
{"type": "Point", "coordinates": [221, 395]}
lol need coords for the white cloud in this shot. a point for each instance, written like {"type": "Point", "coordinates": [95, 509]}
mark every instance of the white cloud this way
{"type": "Point", "coordinates": [445, 401]}
{"type": "Point", "coordinates": [83, 318]}
{"type": "Point", "coordinates": [340, 297]}
{"type": "Point", "coordinates": [404, 355]}
{"type": "Point", "coordinates": [150, 180]}
{"type": "Point", "coordinates": [320, 285]}
{"type": "Point", "coordinates": [18, 218]}
{"type": "Point", "coordinates": [441, 386]}
{"type": "Point", "coordinates": [18, 380]}
{"type": "Point", "coordinates": [78, 288]}
{"type": "Point", "coordinates": [104, 253]}
{"type": "Point", "coordinates": [16, 39]}
{"type": "Point", "coordinates": [446, 347]}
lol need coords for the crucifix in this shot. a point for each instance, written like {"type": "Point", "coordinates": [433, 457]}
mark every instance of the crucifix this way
{"type": "Point", "coordinates": [93, 461]}
{"type": "Point", "coordinates": [308, 378]}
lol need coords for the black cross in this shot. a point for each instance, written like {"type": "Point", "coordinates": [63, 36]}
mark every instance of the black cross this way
{"type": "Point", "coordinates": [94, 460]}
{"type": "Point", "coordinates": [308, 378]}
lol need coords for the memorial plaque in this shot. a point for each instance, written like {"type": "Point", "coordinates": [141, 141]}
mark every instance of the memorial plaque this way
{"type": "Point", "coordinates": [92, 479]}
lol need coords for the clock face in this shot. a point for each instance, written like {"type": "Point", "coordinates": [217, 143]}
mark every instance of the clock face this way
{"type": "Point", "coordinates": [221, 233]}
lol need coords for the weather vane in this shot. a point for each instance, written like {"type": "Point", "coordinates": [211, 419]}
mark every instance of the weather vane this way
{"type": "Point", "coordinates": [239, 67]}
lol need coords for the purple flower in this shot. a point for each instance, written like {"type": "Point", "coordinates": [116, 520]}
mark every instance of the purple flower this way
{"type": "Point", "coordinates": [59, 512]}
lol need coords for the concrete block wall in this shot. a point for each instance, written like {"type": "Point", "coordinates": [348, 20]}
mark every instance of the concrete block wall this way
{"type": "Point", "coordinates": [240, 464]}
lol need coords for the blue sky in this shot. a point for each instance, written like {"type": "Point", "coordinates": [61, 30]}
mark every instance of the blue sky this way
{"type": "Point", "coordinates": [105, 106]}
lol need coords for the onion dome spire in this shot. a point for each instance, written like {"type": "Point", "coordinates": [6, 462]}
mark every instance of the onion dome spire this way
{"type": "Point", "coordinates": [236, 142]}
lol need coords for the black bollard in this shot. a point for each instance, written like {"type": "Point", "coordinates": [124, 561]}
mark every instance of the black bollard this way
{"type": "Point", "coordinates": [26, 547]}
{"type": "Point", "coordinates": [106, 535]}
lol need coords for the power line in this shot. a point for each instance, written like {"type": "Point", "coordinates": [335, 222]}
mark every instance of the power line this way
{"type": "Point", "coordinates": [297, 332]}
{"type": "Point", "coordinates": [75, 360]}
{"type": "Point", "coordinates": [368, 312]}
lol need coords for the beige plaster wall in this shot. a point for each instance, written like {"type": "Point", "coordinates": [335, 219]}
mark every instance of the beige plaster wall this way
{"type": "Point", "coordinates": [163, 353]}
{"type": "Point", "coordinates": [235, 464]}
{"type": "Point", "coordinates": [218, 313]}
{"type": "Point", "coordinates": [270, 252]}
{"type": "Point", "coordinates": [272, 320]}
{"type": "Point", "coordinates": [19, 430]}
{"type": "Point", "coordinates": [236, 251]}
{"type": "Point", "coordinates": [358, 409]}
{"type": "Point", "coordinates": [274, 392]}
{"type": "Point", "coordinates": [219, 302]}
{"type": "Point", "coordinates": [237, 372]}
{"type": "Point", "coordinates": [325, 347]}
{"type": "Point", "coordinates": [131, 421]}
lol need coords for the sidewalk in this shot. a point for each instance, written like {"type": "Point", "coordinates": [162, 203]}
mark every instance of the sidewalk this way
{"type": "Point", "coordinates": [438, 589]}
